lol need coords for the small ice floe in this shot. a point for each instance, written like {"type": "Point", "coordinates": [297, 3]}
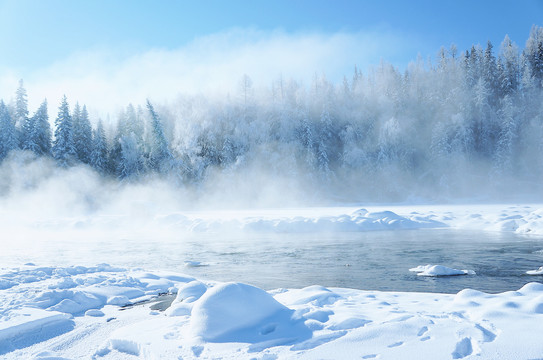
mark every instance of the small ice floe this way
{"type": "Point", "coordinates": [535, 272]}
{"type": "Point", "coordinates": [190, 263]}
{"type": "Point", "coordinates": [439, 270]}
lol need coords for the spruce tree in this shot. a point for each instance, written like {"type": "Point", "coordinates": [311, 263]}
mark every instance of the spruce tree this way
{"type": "Point", "coordinates": [21, 120]}
{"type": "Point", "coordinates": [63, 144]}
{"type": "Point", "coordinates": [8, 134]}
{"type": "Point", "coordinates": [82, 134]}
{"type": "Point", "coordinates": [40, 135]}
{"type": "Point", "coordinates": [161, 158]}
{"type": "Point", "coordinates": [98, 156]}
{"type": "Point", "coordinates": [131, 162]}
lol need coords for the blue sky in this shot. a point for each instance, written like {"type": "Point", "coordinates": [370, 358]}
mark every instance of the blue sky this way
{"type": "Point", "coordinates": [74, 44]}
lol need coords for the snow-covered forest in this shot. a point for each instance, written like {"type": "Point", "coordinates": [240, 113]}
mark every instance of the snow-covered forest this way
{"type": "Point", "coordinates": [466, 121]}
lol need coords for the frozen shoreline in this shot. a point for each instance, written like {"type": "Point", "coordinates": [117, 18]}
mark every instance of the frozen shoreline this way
{"type": "Point", "coordinates": [76, 312]}
{"type": "Point", "coordinates": [519, 218]}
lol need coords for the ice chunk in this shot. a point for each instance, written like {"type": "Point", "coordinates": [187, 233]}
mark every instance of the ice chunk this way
{"type": "Point", "coordinates": [535, 272]}
{"type": "Point", "coordinates": [439, 270]}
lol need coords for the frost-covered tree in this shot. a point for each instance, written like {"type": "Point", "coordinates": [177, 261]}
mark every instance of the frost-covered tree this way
{"type": "Point", "coordinates": [533, 54]}
{"type": "Point", "coordinates": [82, 134]}
{"type": "Point", "coordinates": [8, 134]}
{"type": "Point", "coordinates": [22, 122]}
{"type": "Point", "coordinates": [435, 124]}
{"type": "Point", "coordinates": [39, 138]}
{"type": "Point", "coordinates": [160, 157]}
{"type": "Point", "coordinates": [63, 145]}
{"type": "Point", "coordinates": [503, 159]}
{"type": "Point", "coordinates": [134, 124]}
{"type": "Point", "coordinates": [131, 163]}
{"type": "Point", "coordinates": [98, 156]}
{"type": "Point", "coordinates": [510, 68]}
{"type": "Point", "coordinates": [324, 143]}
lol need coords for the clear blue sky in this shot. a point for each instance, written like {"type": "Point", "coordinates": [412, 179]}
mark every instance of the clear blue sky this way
{"type": "Point", "coordinates": [107, 53]}
{"type": "Point", "coordinates": [38, 32]}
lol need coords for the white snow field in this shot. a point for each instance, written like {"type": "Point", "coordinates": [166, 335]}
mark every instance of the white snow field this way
{"type": "Point", "coordinates": [53, 311]}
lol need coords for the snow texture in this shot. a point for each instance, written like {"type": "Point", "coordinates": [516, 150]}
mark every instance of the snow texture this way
{"type": "Point", "coordinates": [236, 320]}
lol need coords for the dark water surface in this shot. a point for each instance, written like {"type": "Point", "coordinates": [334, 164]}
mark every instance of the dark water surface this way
{"type": "Point", "coordinates": [372, 260]}
{"type": "Point", "coordinates": [377, 260]}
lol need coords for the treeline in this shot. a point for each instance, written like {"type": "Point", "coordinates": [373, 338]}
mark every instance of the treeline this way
{"type": "Point", "coordinates": [473, 115]}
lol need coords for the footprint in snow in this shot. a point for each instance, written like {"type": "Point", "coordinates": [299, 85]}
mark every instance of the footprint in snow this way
{"type": "Point", "coordinates": [463, 348]}
{"type": "Point", "coordinates": [370, 356]}
{"type": "Point", "coordinates": [396, 344]}
{"type": "Point", "coordinates": [197, 350]}
{"type": "Point", "coordinates": [422, 331]}
{"type": "Point", "coordinates": [488, 336]}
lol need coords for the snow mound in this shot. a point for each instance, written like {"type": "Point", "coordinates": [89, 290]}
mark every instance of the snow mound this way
{"type": "Point", "coordinates": [439, 270]}
{"type": "Point", "coordinates": [186, 296]}
{"type": "Point", "coordinates": [315, 294]}
{"type": "Point", "coordinates": [236, 312]}
{"type": "Point", "coordinates": [191, 292]}
{"type": "Point", "coordinates": [535, 272]}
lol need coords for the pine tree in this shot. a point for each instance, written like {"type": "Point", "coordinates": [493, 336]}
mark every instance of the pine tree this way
{"type": "Point", "coordinates": [131, 162]}
{"type": "Point", "coordinates": [8, 134]}
{"type": "Point", "coordinates": [76, 118]}
{"type": "Point", "coordinates": [489, 74]}
{"type": "Point", "coordinates": [63, 144]}
{"type": "Point", "coordinates": [134, 124]}
{"type": "Point", "coordinates": [533, 55]}
{"type": "Point", "coordinates": [38, 139]}
{"type": "Point", "coordinates": [324, 143]}
{"type": "Point", "coordinates": [98, 156]}
{"type": "Point", "coordinates": [509, 67]}
{"type": "Point", "coordinates": [22, 122]}
{"type": "Point", "coordinates": [43, 129]}
{"type": "Point", "coordinates": [503, 159]}
{"type": "Point", "coordinates": [82, 134]}
{"type": "Point", "coordinates": [161, 158]}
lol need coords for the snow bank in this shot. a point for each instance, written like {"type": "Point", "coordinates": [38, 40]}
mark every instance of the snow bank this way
{"type": "Point", "coordinates": [277, 221]}
{"type": "Point", "coordinates": [41, 302]}
{"type": "Point", "coordinates": [522, 219]}
{"type": "Point", "coordinates": [439, 270]}
{"type": "Point", "coordinates": [359, 220]}
{"type": "Point", "coordinates": [20, 328]}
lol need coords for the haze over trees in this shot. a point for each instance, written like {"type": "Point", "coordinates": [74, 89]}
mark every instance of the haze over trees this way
{"type": "Point", "coordinates": [470, 120]}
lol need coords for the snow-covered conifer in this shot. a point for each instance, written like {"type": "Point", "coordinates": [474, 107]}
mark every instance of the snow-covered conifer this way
{"type": "Point", "coordinates": [63, 145]}
{"type": "Point", "coordinates": [98, 156]}
{"type": "Point", "coordinates": [8, 134]}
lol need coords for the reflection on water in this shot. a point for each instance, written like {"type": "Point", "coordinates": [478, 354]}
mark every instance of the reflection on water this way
{"type": "Point", "coordinates": [371, 260]}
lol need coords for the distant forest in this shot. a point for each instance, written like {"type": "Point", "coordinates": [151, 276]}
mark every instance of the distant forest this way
{"type": "Point", "coordinates": [468, 120]}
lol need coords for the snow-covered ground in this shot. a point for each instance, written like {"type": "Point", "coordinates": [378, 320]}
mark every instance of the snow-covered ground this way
{"type": "Point", "coordinates": [48, 311]}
